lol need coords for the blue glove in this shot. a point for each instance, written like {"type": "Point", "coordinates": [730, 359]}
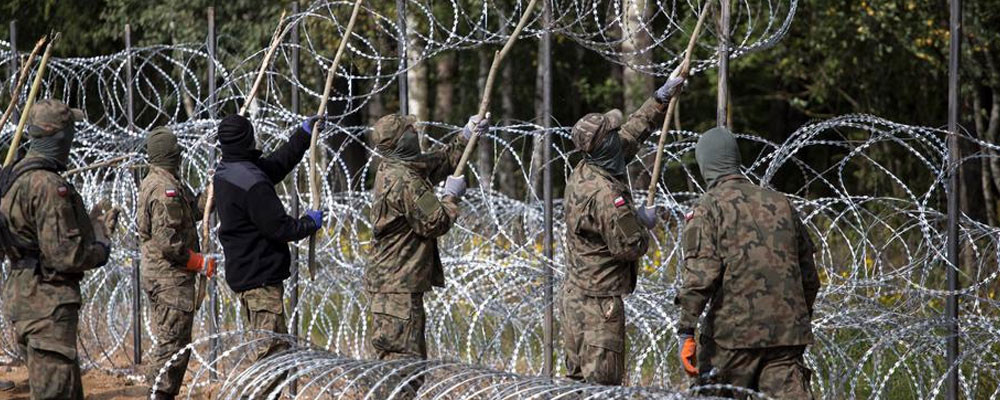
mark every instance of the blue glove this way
{"type": "Point", "coordinates": [317, 217]}
{"type": "Point", "coordinates": [669, 89]}
{"type": "Point", "coordinates": [647, 216]}
{"type": "Point", "coordinates": [307, 125]}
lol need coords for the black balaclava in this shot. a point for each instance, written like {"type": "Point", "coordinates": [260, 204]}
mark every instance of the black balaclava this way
{"type": "Point", "coordinates": [407, 146]}
{"type": "Point", "coordinates": [236, 139]}
{"type": "Point", "coordinates": [608, 155]}
{"type": "Point", "coordinates": [163, 151]}
{"type": "Point", "coordinates": [718, 155]}
{"type": "Point", "coordinates": [55, 146]}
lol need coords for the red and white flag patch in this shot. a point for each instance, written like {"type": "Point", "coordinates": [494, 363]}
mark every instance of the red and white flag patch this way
{"type": "Point", "coordinates": [689, 216]}
{"type": "Point", "coordinates": [620, 201]}
{"type": "Point", "coordinates": [63, 191]}
{"type": "Point", "coordinates": [171, 192]}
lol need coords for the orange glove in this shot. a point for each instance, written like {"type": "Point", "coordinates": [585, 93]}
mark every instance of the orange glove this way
{"type": "Point", "coordinates": [688, 351]}
{"type": "Point", "coordinates": [197, 263]}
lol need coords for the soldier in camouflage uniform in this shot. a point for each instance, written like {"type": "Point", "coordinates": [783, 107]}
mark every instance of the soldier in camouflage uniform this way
{"type": "Point", "coordinates": [51, 241]}
{"type": "Point", "coordinates": [606, 236]}
{"type": "Point", "coordinates": [407, 219]}
{"type": "Point", "coordinates": [747, 254]}
{"type": "Point", "coordinates": [168, 216]}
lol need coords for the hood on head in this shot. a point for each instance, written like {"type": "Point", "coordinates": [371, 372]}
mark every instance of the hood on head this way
{"type": "Point", "coordinates": [590, 131]}
{"type": "Point", "coordinates": [236, 139]}
{"type": "Point", "coordinates": [52, 128]}
{"type": "Point", "coordinates": [718, 155]}
{"type": "Point", "coordinates": [163, 150]}
{"type": "Point", "coordinates": [395, 136]}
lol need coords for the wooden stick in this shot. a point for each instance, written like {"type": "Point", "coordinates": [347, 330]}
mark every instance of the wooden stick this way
{"type": "Point", "coordinates": [205, 229]}
{"type": "Point", "coordinates": [484, 104]}
{"type": "Point", "coordinates": [682, 71]}
{"type": "Point", "coordinates": [275, 40]}
{"type": "Point", "coordinates": [314, 141]}
{"type": "Point", "coordinates": [22, 78]}
{"type": "Point", "coordinates": [105, 163]}
{"type": "Point", "coordinates": [39, 75]}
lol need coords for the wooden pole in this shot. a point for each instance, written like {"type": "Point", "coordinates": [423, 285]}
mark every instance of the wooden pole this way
{"type": "Point", "coordinates": [484, 104]}
{"type": "Point", "coordinates": [16, 141]}
{"type": "Point", "coordinates": [106, 163]}
{"type": "Point", "coordinates": [314, 188]}
{"type": "Point", "coordinates": [275, 40]}
{"type": "Point", "coordinates": [22, 78]}
{"type": "Point", "coordinates": [681, 71]}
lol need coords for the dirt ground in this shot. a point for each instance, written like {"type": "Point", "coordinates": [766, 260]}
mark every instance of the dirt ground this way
{"type": "Point", "coordinates": [97, 385]}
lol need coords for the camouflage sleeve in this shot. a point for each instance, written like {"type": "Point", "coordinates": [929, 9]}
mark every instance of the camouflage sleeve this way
{"type": "Point", "coordinates": [66, 237]}
{"type": "Point", "coordinates": [618, 224]}
{"type": "Point", "coordinates": [428, 216]}
{"type": "Point", "coordinates": [166, 221]}
{"type": "Point", "coordinates": [806, 249]}
{"type": "Point", "coordinates": [702, 269]}
{"type": "Point", "coordinates": [445, 158]}
{"type": "Point", "coordinates": [640, 125]}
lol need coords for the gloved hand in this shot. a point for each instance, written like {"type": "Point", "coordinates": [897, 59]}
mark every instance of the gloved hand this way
{"type": "Point", "coordinates": [307, 125]}
{"type": "Point", "coordinates": [647, 216]}
{"type": "Point", "coordinates": [669, 89]}
{"type": "Point", "coordinates": [317, 217]}
{"type": "Point", "coordinates": [104, 219]}
{"type": "Point", "coordinates": [454, 187]}
{"type": "Point", "coordinates": [688, 349]}
{"type": "Point", "coordinates": [197, 262]}
{"type": "Point", "coordinates": [479, 126]}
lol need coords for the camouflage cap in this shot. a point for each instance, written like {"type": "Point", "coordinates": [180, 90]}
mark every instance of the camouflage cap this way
{"type": "Point", "coordinates": [594, 127]}
{"type": "Point", "coordinates": [50, 116]}
{"type": "Point", "coordinates": [388, 130]}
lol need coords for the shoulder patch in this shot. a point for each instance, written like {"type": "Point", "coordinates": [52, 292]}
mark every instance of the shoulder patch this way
{"type": "Point", "coordinates": [619, 201]}
{"type": "Point", "coordinates": [428, 202]}
{"type": "Point", "coordinates": [62, 190]}
{"type": "Point", "coordinates": [170, 192]}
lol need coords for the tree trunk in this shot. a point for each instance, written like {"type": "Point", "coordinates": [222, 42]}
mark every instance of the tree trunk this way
{"type": "Point", "coordinates": [417, 77]}
{"type": "Point", "coordinates": [444, 95]}
{"type": "Point", "coordinates": [985, 175]}
{"type": "Point", "coordinates": [637, 85]}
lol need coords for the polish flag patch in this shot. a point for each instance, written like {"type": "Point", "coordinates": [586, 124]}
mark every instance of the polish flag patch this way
{"type": "Point", "coordinates": [620, 201]}
{"type": "Point", "coordinates": [171, 192]}
{"type": "Point", "coordinates": [63, 191]}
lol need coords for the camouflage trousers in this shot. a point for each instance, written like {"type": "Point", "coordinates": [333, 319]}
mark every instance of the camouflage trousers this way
{"type": "Point", "coordinates": [593, 337]}
{"type": "Point", "coordinates": [172, 317]}
{"type": "Point", "coordinates": [778, 372]}
{"type": "Point", "coordinates": [398, 321]}
{"type": "Point", "coordinates": [265, 311]}
{"type": "Point", "coordinates": [50, 346]}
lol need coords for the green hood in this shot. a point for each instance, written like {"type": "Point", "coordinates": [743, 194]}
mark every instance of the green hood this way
{"type": "Point", "coordinates": [718, 155]}
{"type": "Point", "coordinates": [162, 149]}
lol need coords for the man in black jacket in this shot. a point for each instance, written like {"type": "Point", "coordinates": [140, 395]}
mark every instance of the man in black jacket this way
{"type": "Point", "coordinates": [254, 227]}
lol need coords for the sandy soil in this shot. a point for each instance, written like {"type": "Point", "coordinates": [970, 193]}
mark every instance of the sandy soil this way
{"type": "Point", "coordinates": [97, 385]}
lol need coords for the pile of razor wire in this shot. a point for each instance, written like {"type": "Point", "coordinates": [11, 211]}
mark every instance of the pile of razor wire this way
{"type": "Point", "coordinates": [878, 319]}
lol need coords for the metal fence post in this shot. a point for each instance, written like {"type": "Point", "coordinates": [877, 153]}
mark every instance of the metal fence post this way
{"type": "Point", "coordinates": [213, 292]}
{"type": "Point", "coordinates": [546, 60]}
{"type": "Point", "coordinates": [294, 301]}
{"type": "Point", "coordinates": [136, 287]}
{"type": "Point", "coordinates": [404, 95]}
{"type": "Point", "coordinates": [954, 164]}
{"type": "Point", "coordinates": [722, 100]}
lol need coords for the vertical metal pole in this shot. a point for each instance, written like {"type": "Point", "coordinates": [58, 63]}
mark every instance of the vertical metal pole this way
{"type": "Point", "coordinates": [953, 170]}
{"type": "Point", "coordinates": [213, 292]}
{"type": "Point", "coordinates": [294, 301]}
{"type": "Point", "coordinates": [136, 289]}
{"type": "Point", "coordinates": [14, 67]}
{"type": "Point", "coordinates": [404, 95]}
{"type": "Point", "coordinates": [723, 92]}
{"type": "Point", "coordinates": [547, 248]}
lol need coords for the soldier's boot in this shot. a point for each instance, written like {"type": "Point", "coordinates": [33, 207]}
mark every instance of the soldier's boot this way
{"type": "Point", "coordinates": [158, 395]}
{"type": "Point", "coordinates": [6, 385]}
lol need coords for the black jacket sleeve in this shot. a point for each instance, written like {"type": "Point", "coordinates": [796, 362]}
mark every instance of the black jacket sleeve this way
{"type": "Point", "coordinates": [269, 216]}
{"type": "Point", "coordinates": [280, 162]}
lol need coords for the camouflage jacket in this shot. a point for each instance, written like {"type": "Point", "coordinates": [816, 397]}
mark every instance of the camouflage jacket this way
{"type": "Point", "coordinates": [42, 208]}
{"type": "Point", "coordinates": [747, 252]}
{"type": "Point", "coordinates": [168, 227]}
{"type": "Point", "coordinates": [407, 218]}
{"type": "Point", "coordinates": [604, 237]}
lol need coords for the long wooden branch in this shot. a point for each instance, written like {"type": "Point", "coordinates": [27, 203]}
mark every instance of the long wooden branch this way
{"type": "Point", "coordinates": [682, 71]}
{"type": "Point", "coordinates": [275, 40]}
{"type": "Point", "coordinates": [39, 75]}
{"type": "Point", "coordinates": [22, 78]}
{"type": "Point", "coordinates": [484, 104]}
{"type": "Point", "coordinates": [106, 163]}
